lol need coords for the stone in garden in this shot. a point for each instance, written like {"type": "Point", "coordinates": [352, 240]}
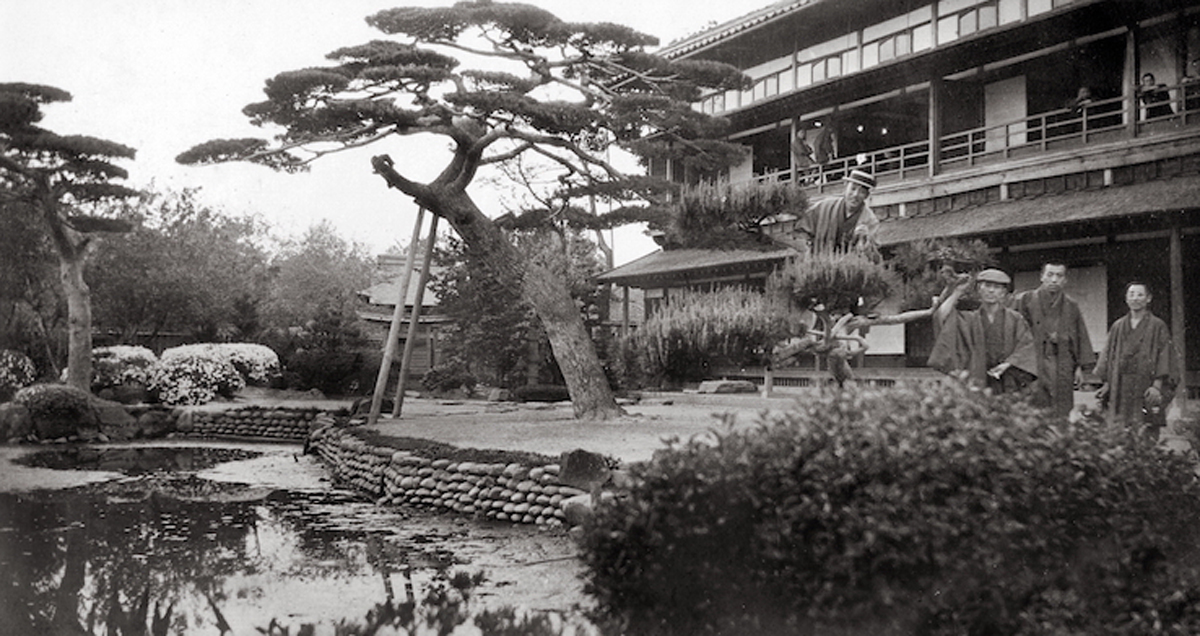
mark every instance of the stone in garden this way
{"type": "Point", "coordinates": [622, 480]}
{"type": "Point", "coordinates": [131, 393]}
{"type": "Point", "coordinates": [583, 470]}
{"type": "Point", "coordinates": [577, 509]}
{"type": "Point", "coordinates": [186, 422]}
{"type": "Point", "coordinates": [112, 416]}
{"type": "Point", "coordinates": [155, 424]}
{"type": "Point", "coordinates": [728, 386]}
{"type": "Point", "coordinates": [14, 421]}
{"type": "Point", "coordinates": [499, 395]}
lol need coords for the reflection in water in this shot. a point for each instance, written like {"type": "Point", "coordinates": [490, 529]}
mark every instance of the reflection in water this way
{"type": "Point", "coordinates": [134, 460]}
{"type": "Point", "coordinates": [186, 556]}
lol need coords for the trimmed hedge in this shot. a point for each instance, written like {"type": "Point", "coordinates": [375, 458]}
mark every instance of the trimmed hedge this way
{"type": "Point", "coordinates": [57, 410]}
{"type": "Point", "coordinates": [119, 365]}
{"type": "Point", "coordinates": [915, 510]}
{"type": "Point", "coordinates": [193, 379]}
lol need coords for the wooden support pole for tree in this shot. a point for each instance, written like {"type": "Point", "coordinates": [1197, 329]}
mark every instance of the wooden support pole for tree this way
{"type": "Point", "coordinates": [414, 319]}
{"type": "Point", "coordinates": [393, 337]}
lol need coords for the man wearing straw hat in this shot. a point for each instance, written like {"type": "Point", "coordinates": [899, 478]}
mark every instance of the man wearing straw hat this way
{"type": "Point", "coordinates": [842, 223]}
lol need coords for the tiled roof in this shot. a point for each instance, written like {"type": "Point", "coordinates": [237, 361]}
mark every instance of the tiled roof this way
{"type": "Point", "coordinates": [387, 292]}
{"type": "Point", "coordinates": [732, 27]}
{"type": "Point", "coordinates": [1057, 209]}
{"type": "Point", "coordinates": [700, 261]}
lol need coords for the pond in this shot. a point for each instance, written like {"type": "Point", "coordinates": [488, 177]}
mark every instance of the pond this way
{"type": "Point", "coordinates": [204, 541]}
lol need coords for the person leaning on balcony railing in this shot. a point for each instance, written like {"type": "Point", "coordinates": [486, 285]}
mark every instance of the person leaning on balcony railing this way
{"type": "Point", "coordinates": [1154, 97]}
{"type": "Point", "coordinates": [842, 223]}
{"type": "Point", "coordinates": [1191, 87]}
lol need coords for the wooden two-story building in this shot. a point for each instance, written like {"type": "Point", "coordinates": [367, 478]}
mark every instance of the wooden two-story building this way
{"type": "Point", "coordinates": [966, 112]}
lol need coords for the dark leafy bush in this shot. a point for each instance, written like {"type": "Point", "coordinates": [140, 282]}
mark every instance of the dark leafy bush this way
{"type": "Point", "coordinates": [56, 410]}
{"type": "Point", "coordinates": [916, 510]}
{"type": "Point", "coordinates": [444, 378]}
{"type": "Point", "coordinates": [327, 353]}
{"type": "Point", "coordinates": [541, 393]}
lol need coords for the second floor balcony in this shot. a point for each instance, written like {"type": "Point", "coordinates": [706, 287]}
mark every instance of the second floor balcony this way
{"type": "Point", "coordinates": [1088, 128]}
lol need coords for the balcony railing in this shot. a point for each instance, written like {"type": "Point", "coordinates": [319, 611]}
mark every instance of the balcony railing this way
{"type": "Point", "coordinates": [1097, 122]}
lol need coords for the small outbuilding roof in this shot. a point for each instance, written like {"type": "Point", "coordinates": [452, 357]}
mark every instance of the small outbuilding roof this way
{"type": "Point", "coordinates": [699, 263]}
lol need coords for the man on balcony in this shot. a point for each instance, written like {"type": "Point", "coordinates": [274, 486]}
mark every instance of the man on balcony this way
{"type": "Point", "coordinates": [842, 223]}
{"type": "Point", "coordinates": [1061, 339]}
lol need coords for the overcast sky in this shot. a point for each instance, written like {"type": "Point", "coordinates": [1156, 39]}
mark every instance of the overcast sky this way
{"type": "Point", "coordinates": [164, 75]}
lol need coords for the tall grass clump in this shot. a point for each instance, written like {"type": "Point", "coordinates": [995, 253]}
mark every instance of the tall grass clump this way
{"type": "Point", "coordinates": [694, 329]}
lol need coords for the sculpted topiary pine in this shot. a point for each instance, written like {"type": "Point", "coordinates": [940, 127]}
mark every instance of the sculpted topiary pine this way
{"type": "Point", "coordinates": [55, 177]}
{"type": "Point", "coordinates": [573, 91]}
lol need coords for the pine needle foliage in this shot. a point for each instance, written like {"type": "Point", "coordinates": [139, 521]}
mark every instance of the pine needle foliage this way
{"type": "Point", "coordinates": [721, 216]}
{"type": "Point", "coordinates": [840, 281]}
{"type": "Point", "coordinates": [927, 265]}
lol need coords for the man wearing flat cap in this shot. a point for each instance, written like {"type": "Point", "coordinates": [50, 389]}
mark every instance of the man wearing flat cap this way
{"type": "Point", "coordinates": [990, 347]}
{"type": "Point", "coordinates": [842, 223]}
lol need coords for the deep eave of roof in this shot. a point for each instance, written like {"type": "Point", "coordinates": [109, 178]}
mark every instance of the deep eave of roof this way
{"type": "Point", "coordinates": [1110, 203]}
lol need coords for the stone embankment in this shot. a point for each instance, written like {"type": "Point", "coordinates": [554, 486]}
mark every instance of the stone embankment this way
{"type": "Point", "coordinates": [292, 424]}
{"type": "Point", "coordinates": [550, 493]}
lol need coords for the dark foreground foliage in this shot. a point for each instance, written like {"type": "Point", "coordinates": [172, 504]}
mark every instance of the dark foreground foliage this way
{"type": "Point", "coordinates": [922, 510]}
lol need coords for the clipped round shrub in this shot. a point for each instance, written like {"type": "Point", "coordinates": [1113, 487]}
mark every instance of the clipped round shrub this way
{"type": "Point", "coordinates": [119, 365]}
{"type": "Point", "coordinates": [16, 372]}
{"type": "Point", "coordinates": [258, 364]}
{"type": "Point", "coordinates": [923, 509]}
{"type": "Point", "coordinates": [194, 379]}
{"type": "Point", "coordinates": [56, 410]}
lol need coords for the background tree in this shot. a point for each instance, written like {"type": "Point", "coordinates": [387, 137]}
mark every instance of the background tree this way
{"type": "Point", "coordinates": [568, 92]}
{"type": "Point", "coordinates": [57, 176]}
{"type": "Point", "coordinates": [185, 267]}
{"type": "Point", "coordinates": [494, 333]}
{"type": "Point", "coordinates": [32, 310]}
{"type": "Point", "coordinates": [311, 310]}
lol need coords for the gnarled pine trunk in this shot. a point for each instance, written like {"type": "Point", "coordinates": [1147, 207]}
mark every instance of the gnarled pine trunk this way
{"type": "Point", "coordinates": [545, 291]}
{"type": "Point", "coordinates": [79, 320]}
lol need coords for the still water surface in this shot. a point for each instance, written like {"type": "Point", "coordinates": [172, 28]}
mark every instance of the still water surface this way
{"type": "Point", "coordinates": [191, 555]}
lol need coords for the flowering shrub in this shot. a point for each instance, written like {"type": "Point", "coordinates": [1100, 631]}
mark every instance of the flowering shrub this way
{"type": "Point", "coordinates": [16, 372]}
{"type": "Point", "coordinates": [193, 379]}
{"type": "Point", "coordinates": [917, 510]}
{"type": "Point", "coordinates": [121, 364]}
{"type": "Point", "coordinates": [257, 364]}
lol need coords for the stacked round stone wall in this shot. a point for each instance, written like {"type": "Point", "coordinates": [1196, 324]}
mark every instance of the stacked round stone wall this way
{"type": "Point", "coordinates": [515, 492]}
{"type": "Point", "coordinates": [281, 424]}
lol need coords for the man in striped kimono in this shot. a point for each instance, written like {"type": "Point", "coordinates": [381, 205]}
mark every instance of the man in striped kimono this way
{"type": "Point", "coordinates": [1060, 339]}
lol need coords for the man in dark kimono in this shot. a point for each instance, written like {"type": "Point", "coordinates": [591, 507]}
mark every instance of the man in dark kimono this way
{"type": "Point", "coordinates": [840, 223]}
{"type": "Point", "coordinates": [990, 347]}
{"type": "Point", "coordinates": [1060, 338]}
{"type": "Point", "coordinates": [1136, 365]}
